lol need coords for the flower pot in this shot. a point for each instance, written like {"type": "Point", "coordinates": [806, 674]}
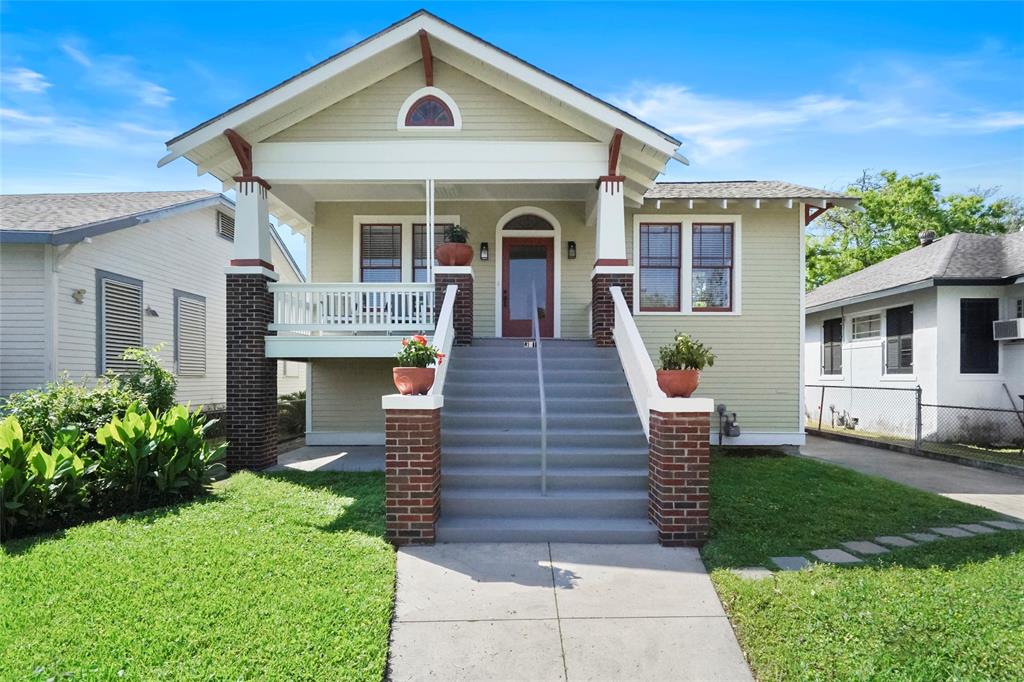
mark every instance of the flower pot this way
{"type": "Point", "coordinates": [678, 383]}
{"type": "Point", "coordinates": [454, 253]}
{"type": "Point", "coordinates": [413, 380]}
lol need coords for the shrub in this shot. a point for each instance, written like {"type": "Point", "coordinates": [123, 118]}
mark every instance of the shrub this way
{"type": "Point", "coordinates": [291, 415]}
{"type": "Point", "coordinates": [456, 234]}
{"type": "Point", "coordinates": [417, 353]}
{"type": "Point", "coordinates": [686, 353]}
{"type": "Point", "coordinates": [149, 379]}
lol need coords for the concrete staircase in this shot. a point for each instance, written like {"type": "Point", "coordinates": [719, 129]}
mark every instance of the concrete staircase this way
{"type": "Point", "coordinates": [490, 454]}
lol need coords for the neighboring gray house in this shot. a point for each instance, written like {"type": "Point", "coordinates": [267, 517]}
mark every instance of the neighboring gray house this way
{"type": "Point", "coordinates": [947, 316]}
{"type": "Point", "coordinates": [83, 276]}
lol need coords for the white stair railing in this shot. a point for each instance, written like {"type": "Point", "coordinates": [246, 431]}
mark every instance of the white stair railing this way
{"type": "Point", "coordinates": [444, 338]}
{"type": "Point", "coordinates": [636, 363]}
{"type": "Point", "coordinates": [352, 307]}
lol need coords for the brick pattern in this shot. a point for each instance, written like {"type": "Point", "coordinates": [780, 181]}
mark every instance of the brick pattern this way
{"type": "Point", "coordinates": [463, 304]}
{"type": "Point", "coordinates": [602, 306]}
{"type": "Point", "coordinates": [678, 477]}
{"type": "Point", "coordinates": [251, 417]}
{"type": "Point", "coordinates": [412, 475]}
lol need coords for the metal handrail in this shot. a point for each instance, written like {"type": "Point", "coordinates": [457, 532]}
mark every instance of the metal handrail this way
{"type": "Point", "coordinates": [543, 399]}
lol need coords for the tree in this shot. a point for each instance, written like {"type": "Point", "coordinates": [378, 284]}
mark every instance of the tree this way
{"type": "Point", "coordinates": [895, 209]}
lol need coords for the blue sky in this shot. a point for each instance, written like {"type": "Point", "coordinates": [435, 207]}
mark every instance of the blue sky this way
{"type": "Point", "coordinates": [812, 93]}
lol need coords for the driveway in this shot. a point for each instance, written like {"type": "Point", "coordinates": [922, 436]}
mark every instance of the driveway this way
{"type": "Point", "coordinates": [559, 611]}
{"type": "Point", "coordinates": [1003, 493]}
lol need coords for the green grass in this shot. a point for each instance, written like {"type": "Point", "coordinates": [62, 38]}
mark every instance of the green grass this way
{"type": "Point", "coordinates": [945, 610]}
{"type": "Point", "coordinates": [283, 576]}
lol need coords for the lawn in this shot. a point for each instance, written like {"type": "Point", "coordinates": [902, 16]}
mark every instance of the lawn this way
{"type": "Point", "coordinates": [946, 610]}
{"type": "Point", "coordinates": [283, 576]}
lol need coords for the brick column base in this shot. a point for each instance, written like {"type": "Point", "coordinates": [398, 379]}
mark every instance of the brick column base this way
{"type": "Point", "coordinates": [412, 474]}
{"type": "Point", "coordinates": [603, 308]}
{"type": "Point", "coordinates": [251, 417]}
{"type": "Point", "coordinates": [463, 302]}
{"type": "Point", "coordinates": [678, 477]}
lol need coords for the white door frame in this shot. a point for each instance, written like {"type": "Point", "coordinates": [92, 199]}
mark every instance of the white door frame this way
{"type": "Point", "coordinates": [500, 234]}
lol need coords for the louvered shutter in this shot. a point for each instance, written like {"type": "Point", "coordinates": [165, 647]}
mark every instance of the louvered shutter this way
{"type": "Point", "coordinates": [122, 323]}
{"type": "Point", "coordinates": [899, 340]}
{"type": "Point", "coordinates": [225, 226]}
{"type": "Point", "coordinates": [191, 351]}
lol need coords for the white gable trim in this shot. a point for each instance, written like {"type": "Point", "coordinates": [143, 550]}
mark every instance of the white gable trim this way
{"type": "Point", "coordinates": [416, 97]}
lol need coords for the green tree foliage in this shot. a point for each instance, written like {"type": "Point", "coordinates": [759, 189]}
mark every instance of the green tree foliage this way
{"type": "Point", "coordinates": [895, 209]}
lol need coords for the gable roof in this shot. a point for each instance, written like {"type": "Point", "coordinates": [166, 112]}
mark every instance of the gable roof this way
{"type": "Point", "coordinates": [960, 257]}
{"type": "Point", "coordinates": [66, 218]}
{"type": "Point", "coordinates": [738, 189]}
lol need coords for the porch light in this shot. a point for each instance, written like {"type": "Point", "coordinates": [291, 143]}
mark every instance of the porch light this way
{"type": "Point", "coordinates": [484, 253]}
{"type": "Point", "coordinates": [572, 250]}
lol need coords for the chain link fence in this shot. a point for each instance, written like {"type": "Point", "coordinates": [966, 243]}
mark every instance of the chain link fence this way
{"type": "Point", "coordinates": [898, 416]}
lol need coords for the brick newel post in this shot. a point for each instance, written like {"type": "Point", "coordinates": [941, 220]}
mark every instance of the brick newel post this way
{"type": "Point", "coordinates": [678, 472]}
{"type": "Point", "coordinates": [603, 308]}
{"type": "Point", "coordinates": [251, 418]}
{"type": "Point", "coordinates": [412, 468]}
{"type": "Point", "coordinates": [462, 277]}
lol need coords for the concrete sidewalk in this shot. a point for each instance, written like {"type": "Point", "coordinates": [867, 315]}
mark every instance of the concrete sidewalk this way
{"type": "Point", "coordinates": [1002, 493]}
{"type": "Point", "coordinates": [559, 611]}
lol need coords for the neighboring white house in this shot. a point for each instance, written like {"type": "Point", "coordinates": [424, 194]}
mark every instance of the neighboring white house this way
{"type": "Point", "coordinates": [947, 316]}
{"type": "Point", "coordinates": [84, 276]}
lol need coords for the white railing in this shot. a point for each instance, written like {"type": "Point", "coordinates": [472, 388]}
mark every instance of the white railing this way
{"type": "Point", "coordinates": [636, 363]}
{"type": "Point", "coordinates": [444, 338]}
{"type": "Point", "coordinates": [348, 307]}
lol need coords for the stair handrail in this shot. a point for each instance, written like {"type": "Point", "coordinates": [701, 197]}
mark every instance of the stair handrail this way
{"type": "Point", "coordinates": [543, 400]}
{"type": "Point", "coordinates": [444, 338]}
{"type": "Point", "coordinates": [636, 362]}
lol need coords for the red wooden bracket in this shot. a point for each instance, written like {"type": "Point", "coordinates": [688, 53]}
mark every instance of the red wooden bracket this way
{"type": "Point", "coordinates": [812, 212]}
{"type": "Point", "coordinates": [614, 147]}
{"type": "Point", "coordinates": [242, 150]}
{"type": "Point", "coordinates": [428, 58]}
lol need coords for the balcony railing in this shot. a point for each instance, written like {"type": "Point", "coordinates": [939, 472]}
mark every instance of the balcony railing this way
{"type": "Point", "coordinates": [348, 307]}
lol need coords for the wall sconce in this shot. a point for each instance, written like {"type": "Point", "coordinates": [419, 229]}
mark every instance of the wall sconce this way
{"type": "Point", "coordinates": [572, 250]}
{"type": "Point", "coordinates": [484, 253]}
{"type": "Point", "coordinates": [78, 295]}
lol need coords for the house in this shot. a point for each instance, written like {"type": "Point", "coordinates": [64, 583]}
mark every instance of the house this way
{"type": "Point", "coordinates": [372, 153]}
{"type": "Point", "coordinates": [84, 276]}
{"type": "Point", "coordinates": [947, 316]}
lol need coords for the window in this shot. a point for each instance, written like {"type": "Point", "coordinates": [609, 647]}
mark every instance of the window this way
{"type": "Point", "coordinates": [979, 351]}
{"type": "Point", "coordinates": [189, 334]}
{"type": "Point", "coordinates": [1020, 308]}
{"type": "Point", "coordinates": [867, 327]}
{"type": "Point", "coordinates": [119, 320]}
{"type": "Point", "coordinates": [380, 253]}
{"type": "Point", "coordinates": [419, 244]}
{"type": "Point", "coordinates": [899, 340]}
{"type": "Point", "coordinates": [712, 267]}
{"type": "Point", "coordinates": [832, 347]}
{"type": "Point", "coordinates": [660, 266]}
{"type": "Point", "coordinates": [429, 111]}
{"type": "Point", "coordinates": [225, 226]}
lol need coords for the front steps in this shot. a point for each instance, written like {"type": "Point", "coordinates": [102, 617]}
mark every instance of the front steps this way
{"type": "Point", "coordinates": [490, 433]}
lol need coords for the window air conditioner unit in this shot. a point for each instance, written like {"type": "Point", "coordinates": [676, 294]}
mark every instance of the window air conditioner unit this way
{"type": "Point", "coordinates": [1008, 330]}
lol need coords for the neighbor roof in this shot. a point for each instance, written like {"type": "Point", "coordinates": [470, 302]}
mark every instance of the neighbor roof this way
{"type": "Point", "coordinates": [738, 189]}
{"type": "Point", "coordinates": [64, 218]}
{"type": "Point", "coordinates": [960, 257]}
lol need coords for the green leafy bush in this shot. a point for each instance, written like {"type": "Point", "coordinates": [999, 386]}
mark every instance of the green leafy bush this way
{"type": "Point", "coordinates": [685, 352]}
{"type": "Point", "coordinates": [155, 384]}
{"type": "Point", "coordinates": [456, 234]}
{"type": "Point", "coordinates": [291, 415]}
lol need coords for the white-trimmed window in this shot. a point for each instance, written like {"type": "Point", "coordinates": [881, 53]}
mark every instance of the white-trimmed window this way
{"type": "Point", "coordinates": [419, 248]}
{"type": "Point", "coordinates": [225, 226]}
{"type": "Point", "coordinates": [118, 320]}
{"type": "Point", "coordinates": [867, 327]}
{"type": "Point", "coordinates": [712, 267]}
{"type": "Point", "coordinates": [189, 334]}
{"type": "Point", "coordinates": [660, 260]}
{"type": "Point", "coordinates": [380, 253]}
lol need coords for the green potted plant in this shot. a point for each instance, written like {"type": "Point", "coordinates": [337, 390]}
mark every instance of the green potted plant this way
{"type": "Point", "coordinates": [455, 250]}
{"type": "Point", "coordinates": [681, 364]}
{"type": "Point", "coordinates": [414, 375]}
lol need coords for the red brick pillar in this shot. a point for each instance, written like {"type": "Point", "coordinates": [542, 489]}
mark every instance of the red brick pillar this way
{"type": "Point", "coordinates": [462, 277]}
{"type": "Point", "coordinates": [678, 470]}
{"type": "Point", "coordinates": [412, 468]}
{"type": "Point", "coordinates": [602, 308]}
{"type": "Point", "coordinates": [251, 417]}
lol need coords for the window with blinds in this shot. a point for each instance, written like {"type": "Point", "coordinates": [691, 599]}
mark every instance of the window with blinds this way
{"type": "Point", "coordinates": [899, 340]}
{"type": "Point", "coordinates": [419, 248]}
{"type": "Point", "coordinates": [120, 321]}
{"type": "Point", "coordinates": [225, 226]}
{"type": "Point", "coordinates": [979, 351]}
{"type": "Point", "coordinates": [380, 253]}
{"type": "Point", "coordinates": [712, 267]}
{"type": "Point", "coordinates": [660, 264]}
{"type": "Point", "coordinates": [189, 334]}
{"type": "Point", "coordinates": [832, 347]}
{"type": "Point", "coordinates": [867, 327]}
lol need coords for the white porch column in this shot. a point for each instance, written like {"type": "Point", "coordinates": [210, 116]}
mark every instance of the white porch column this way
{"type": "Point", "coordinates": [252, 229]}
{"type": "Point", "coordinates": [611, 221]}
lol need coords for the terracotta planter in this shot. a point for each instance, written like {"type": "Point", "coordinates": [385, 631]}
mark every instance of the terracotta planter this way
{"type": "Point", "coordinates": [413, 380]}
{"type": "Point", "coordinates": [678, 383]}
{"type": "Point", "coordinates": [454, 253]}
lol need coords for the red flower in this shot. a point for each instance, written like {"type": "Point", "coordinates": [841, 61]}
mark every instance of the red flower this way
{"type": "Point", "coordinates": [405, 342]}
{"type": "Point", "coordinates": [419, 338]}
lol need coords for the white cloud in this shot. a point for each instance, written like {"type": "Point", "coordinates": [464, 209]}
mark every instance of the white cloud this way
{"type": "Point", "coordinates": [118, 73]}
{"type": "Point", "coordinates": [76, 55]}
{"type": "Point", "coordinates": [25, 80]}
{"type": "Point", "coordinates": [23, 128]}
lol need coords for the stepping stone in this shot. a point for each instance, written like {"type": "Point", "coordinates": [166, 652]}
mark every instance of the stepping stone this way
{"type": "Point", "coordinates": [1005, 525]}
{"type": "Point", "coordinates": [977, 528]}
{"type": "Point", "coordinates": [752, 572]}
{"type": "Point", "coordinates": [895, 541]}
{"type": "Point", "coordinates": [923, 537]}
{"type": "Point", "coordinates": [790, 563]}
{"type": "Point", "coordinates": [864, 547]}
{"type": "Point", "coordinates": [953, 532]}
{"type": "Point", "coordinates": [835, 556]}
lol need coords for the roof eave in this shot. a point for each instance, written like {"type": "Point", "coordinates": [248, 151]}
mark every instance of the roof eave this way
{"type": "Point", "coordinates": [870, 296]}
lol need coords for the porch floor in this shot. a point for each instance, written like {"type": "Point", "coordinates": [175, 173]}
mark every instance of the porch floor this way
{"type": "Point", "coordinates": [332, 458]}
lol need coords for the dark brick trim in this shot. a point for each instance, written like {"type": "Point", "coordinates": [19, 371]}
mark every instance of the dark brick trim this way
{"type": "Point", "coordinates": [412, 475]}
{"type": "Point", "coordinates": [463, 304]}
{"type": "Point", "coordinates": [603, 307]}
{"type": "Point", "coordinates": [678, 474]}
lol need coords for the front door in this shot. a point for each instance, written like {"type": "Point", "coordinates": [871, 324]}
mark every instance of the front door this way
{"type": "Point", "coordinates": [527, 263]}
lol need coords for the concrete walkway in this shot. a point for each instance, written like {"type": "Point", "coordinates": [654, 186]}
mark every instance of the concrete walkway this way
{"type": "Point", "coordinates": [332, 458]}
{"type": "Point", "coordinates": [1002, 493]}
{"type": "Point", "coordinates": [559, 611]}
